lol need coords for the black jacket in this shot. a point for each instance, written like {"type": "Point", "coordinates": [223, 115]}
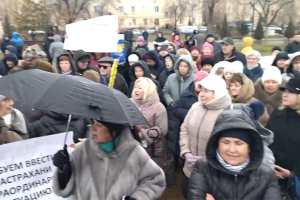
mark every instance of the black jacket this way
{"type": "Point", "coordinates": [120, 84]}
{"type": "Point", "coordinates": [53, 123]}
{"type": "Point", "coordinates": [281, 55]}
{"type": "Point", "coordinates": [292, 47]}
{"type": "Point", "coordinates": [46, 48]}
{"type": "Point", "coordinates": [256, 181]}
{"type": "Point", "coordinates": [236, 55]}
{"type": "Point", "coordinates": [158, 67]}
{"type": "Point", "coordinates": [145, 34]}
{"type": "Point", "coordinates": [165, 74]}
{"type": "Point", "coordinates": [29, 113]}
{"type": "Point", "coordinates": [143, 47]}
{"type": "Point", "coordinates": [4, 69]}
{"type": "Point", "coordinates": [5, 43]}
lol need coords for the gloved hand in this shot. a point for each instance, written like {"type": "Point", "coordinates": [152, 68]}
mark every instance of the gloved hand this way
{"type": "Point", "coordinates": [61, 158]}
{"type": "Point", "coordinates": [190, 159]}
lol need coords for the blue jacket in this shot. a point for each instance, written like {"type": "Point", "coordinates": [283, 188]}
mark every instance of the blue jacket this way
{"type": "Point", "coordinates": [254, 74]}
{"type": "Point", "coordinates": [182, 106]}
{"type": "Point", "coordinates": [158, 67]}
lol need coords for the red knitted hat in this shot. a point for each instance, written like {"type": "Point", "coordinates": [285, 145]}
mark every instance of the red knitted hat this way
{"type": "Point", "coordinates": [200, 75]}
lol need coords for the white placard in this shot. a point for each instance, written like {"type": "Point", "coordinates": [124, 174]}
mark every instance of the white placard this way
{"type": "Point", "coordinates": [93, 35]}
{"type": "Point", "coordinates": [26, 168]}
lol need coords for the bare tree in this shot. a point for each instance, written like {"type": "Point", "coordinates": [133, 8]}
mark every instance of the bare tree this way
{"type": "Point", "coordinates": [177, 9]}
{"type": "Point", "coordinates": [104, 5]}
{"type": "Point", "coordinates": [210, 20]}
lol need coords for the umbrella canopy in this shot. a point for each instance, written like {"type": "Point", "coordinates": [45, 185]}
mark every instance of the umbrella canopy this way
{"type": "Point", "coordinates": [71, 95]}
{"type": "Point", "coordinates": [188, 29]}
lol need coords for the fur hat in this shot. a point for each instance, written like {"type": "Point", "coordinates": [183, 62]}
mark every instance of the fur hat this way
{"type": "Point", "coordinates": [207, 61]}
{"type": "Point", "coordinates": [254, 53]}
{"type": "Point", "coordinates": [133, 58]}
{"type": "Point", "coordinates": [214, 83]}
{"type": "Point", "coordinates": [234, 67]}
{"type": "Point", "coordinates": [272, 73]}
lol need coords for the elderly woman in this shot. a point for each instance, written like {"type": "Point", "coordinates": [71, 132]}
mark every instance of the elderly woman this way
{"type": "Point", "coordinates": [7, 136]}
{"type": "Point", "coordinates": [267, 89]}
{"type": "Point", "coordinates": [293, 70]}
{"type": "Point", "coordinates": [285, 123]}
{"type": "Point", "coordinates": [232, 168]}
{"type": "Point", "coordinates": [111, 164]}
{"type": "Point", "coordinates": [199, 122]}
{"type": "Point", "coordinates": [66, 65]}
{"type": "Point", "coordinates": [253, 69]}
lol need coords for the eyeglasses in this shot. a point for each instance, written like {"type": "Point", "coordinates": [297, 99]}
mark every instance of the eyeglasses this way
{"type": "Point", "coordinates": [100, 66]}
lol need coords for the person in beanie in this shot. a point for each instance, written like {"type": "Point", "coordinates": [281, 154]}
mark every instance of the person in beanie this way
{"type": "Point", "coordinates": [248, 43]}
{"type": "Point", "coordinates": [195, 52]}
{"type": "Point", "coordinates": [207, 64]}
{"type": "Point", "coordinates": [154, 64]}
{"type": "Point", "coordinates": [46, 46]}
{"type": "Point", "coordinates": [207, 52]}
{"type": "Point", "coordinates": [293, 70]}
{"type": "Point", "coordinates": [267, 89]}
{"type": "Point", "coordinates": [276, 50]}
{"type": "Point", "coordinates": [211, 40]}
{"type": "Point", "coordinates": [285, 124]}
{"type": "Point", "coordinates": [127, 171]}
{"type": "Point", "coordinates": [199, 123]}
{"type": "Point", "coordinates": [32, 61]}
{"type": "Point", "coordinates": [253, 69]}
{"type": "Point", "coordinates": [241, 90]}
{"type": "Point", "coordinates": [141, 43]}
{"type": "Point", "coordinates": [5, 42]}
{"type": "Point", "coordinates": [189, 96]}
{"type": "Point", "coordinates": [105, 66]}
{"type": "Point", "coordinates": [65, 65]}
{"type": "Point", "coordinates": [169, 61]}
{"type": "Point", "coordinates": [294, 46]}
{"type": "Point", "coordinates": [10, 60]}
{"type": "Point", "coordinates": [232, 166]}
{"type": "Point", "coordinates": [280, 61]}
{"type": "Point", "coordinates": [56, 49]}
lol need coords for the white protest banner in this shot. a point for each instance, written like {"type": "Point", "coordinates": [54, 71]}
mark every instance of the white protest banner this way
{"type": "Point", "coordinates": [93, 35]}
{"type": "Point", "coordinates": [26, 168]}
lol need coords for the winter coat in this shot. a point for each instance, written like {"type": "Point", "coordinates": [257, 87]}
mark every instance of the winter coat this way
{"type": "Point", "coordinates": [248, 43]}
{"type": "Point", "coordinates": [271, 102]}
{"type": "Point", "coordinates": [198, 126]}
{"type": "Point", "coordinates": [11, 49]}
{"type": "Point", "coordinates": [53, 123]}
{"type": "Point", "coordinates": [199, 40]}
{"type": "Point", "coordinates": [46, 48]}
{"type": "Point", "coordinates": [156, 115]}
{"type": "Point", "coordinates": [256, 181]}
{"type": "Point", "coordinates": [198, 63]}
{"type": "Point", "coordinates": [158, 67]}
{"type": "Point", "coordinates": [142, 47]}
{"type": "Point", "coordinates": [4, 69]}
{"type": "Point", "coordinates": [146, 70]}
{"type": "Point", "coordinates": [290, 73]}
{"type": "Point", "coordinates": [120, 84]}
{"type": "Point", "coordinates": [127, 171]}
{"type": "Point", "coordinates": [18, 43]}
{"type": "Point", "coordinates": [292, 47]}
{"type": "Point", "coordinates": [236, 56]}
{"type": "Point", "coordinates": [281, 55]}
{"type": "Point", "coordinates": [176, 83]}
{"type": "Point", "coordinates": [182, 106]}
{"type": "Point", "coordinates": [5, 43]}
{"type": "Point", "coordinates": [41, 65]}
{"type": "Point", "coordinates": [73, 65]}
{"type": "Point", "coordinates": [167, 72]}
{"type": "Point", "coordinates": [160, 40]}
{"type": "Point", "coordinates": [285, 125]}
{"type": "Point", "coordinates": [246, 96]}
{"type": "Point", "coordinates": [17, 123]}
{"type": "Point", "coordinates": [145, 34]}
{"type": "Point", "coordinates": [7, 136]}
{"type": "Point", "coordinates": [217, 46]}
{"type": "Point", "coordinates": [254, 74]}
{"type": "Point", "coordinates": [29, 113]}
{"type": "Point", "coordinates": [56, 48]}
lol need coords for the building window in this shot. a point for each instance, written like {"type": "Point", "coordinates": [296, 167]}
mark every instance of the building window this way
{"type": "Point", "coordinates": [156, 22]}
{"type": "Point", "coordinates": [122, 22]}
{"type": "Point", "coordinates": [145, 22]}
{"type": "Point", "coordinates": [180, 8]}
{"type": "Point", "coordinates": [166, 14]}
{"type": "Point", "coordinates": [193, 8]}
{"type": "Point", "coordinates": [132, 9]}
{"type": "Point", "coordinates": [133, 22]}
{"type": "Point", "coordinates": [193, 21]}
{"type": "Point", "coordinates": [144, 8]}
{"type": "Point", "coordinates": [181, 21]}
{"type": "Point", "coordinates": [156, 9]}
{"type": "Point", "coordinates": [121, 9]}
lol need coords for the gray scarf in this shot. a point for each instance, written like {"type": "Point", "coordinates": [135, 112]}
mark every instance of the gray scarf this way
{"type": "Point", "coordinates": [233, 169]}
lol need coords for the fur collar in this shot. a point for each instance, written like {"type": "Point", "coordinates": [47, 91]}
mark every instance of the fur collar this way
{"type": "Point", "coordinates": [247, 91]}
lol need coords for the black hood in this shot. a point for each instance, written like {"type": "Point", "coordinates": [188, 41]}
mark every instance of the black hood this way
{"type": "Point", "coordinates": [174, 59]}
{"type": "Point", "coordinates": [153, 54]}
{"type": "Point", "coordinates": [144, 67]}
{"type": "Point", "coordinates": [235, 119]}
{"type": "Point", "coordinates": [11, 49]}
{"type": "Point", "coordinates": [11, 57]}
{"type": "Point", "coordinates": [160, 39]}
{"type": "Point", "coordinates": [281, 55]}
{"type": "Point", "coordinates": [73, 65]}
{"type": "Point", "coordinates": [78, 54]}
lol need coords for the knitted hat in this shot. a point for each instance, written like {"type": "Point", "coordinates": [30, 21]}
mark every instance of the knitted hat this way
{"type": "Point", "coordinates": [206, 44]}
{"type": "Point", "coordinates": [272, 73]}
{"type": "Point", "coordinates": [64, 58]}
{"type": "Point", "coordinates": [199, 76]}
{"type": "Point", "coordinates": [133, 58]}
{"type": "Point", "coordinates": [141, 39]}
{"type": "Point", "coordinates": [207, 61]}
{"type": "Point", "coordinates": [254, 53]}
{"type": "Point", "coordinates": [195, 48]}
{"type": "Point", "coordinates": [241, 134]}
{"type": "Point", "coordinates": [2, 97]}
{"type": "Point", "coordinates": [278, 48]}
{"type": "Point", "coordinates": [234, 67]}
{"type": "Point", "coordinates": [214, 83]}
{"type": "Point", "coordinates": [210, 35]}
{"type": "Point", "coordinates": [148, 57]}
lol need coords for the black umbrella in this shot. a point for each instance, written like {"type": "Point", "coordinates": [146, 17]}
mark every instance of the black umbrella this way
{"type": "Point", "coordinates": [71, 95]}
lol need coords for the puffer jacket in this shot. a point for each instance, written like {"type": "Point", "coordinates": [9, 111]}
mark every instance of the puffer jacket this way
{"type": "Point", "coordinates": [256, 181]}
{"type": "Point", "coordinates": [127, 171]}
{"type": "Point", "coordinates": [271, 102]}
{"type": "Point", "coordinates": [176, 83]}
{"type": "Point", "coordinates": [198, 125]}
{"type": "Point", "coordinates": [248, 42]}
{"type": "Point", "coordinates": [246, 96]}
{"type": "Point", "coordinates": [56, 48]}
{"type": "Point", "coordinates": [156, 115]}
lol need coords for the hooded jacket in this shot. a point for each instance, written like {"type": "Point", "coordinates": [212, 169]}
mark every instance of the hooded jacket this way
{"type": "Point", "coordinates": [127, 171]}
{"type": "Point", "coordinates": [73, 65]}
{"type": "Point", "coordinates": [198, 126]}
{"type": "Point", "coordinates": [271, 102]}
{"type": "Point", "coordinates": [18, 43]}
{"type": "Point", "coordinates": [56, 48]}
{"type": "Point", "coordinates": [246, 96]}
{"type": "Point", "coordinates": [17, 123]}
{"type": "Point", "coordinates": [256, 181]}
{"type": "Point", "coordinates": [7, 136]}
{"type": "Point", "coordinates": [236, 55]}
{"type": "Point", "coordinates": [176, 83]}
{"type": "Point", "coordinates": [4, 69]}
{"type": "Point", "coordinates": [281, 55]}
{"type": "Point", "coordinates": [290, 73]}
{"type": "Point", "coordinates": [158, 67]}
{"type": "Point", "coordinates": [11, 49]}
{"type": "Point", "coordinates": [146, 70]}
{"type": "Point", "coordinates": [292, 47]}
{"type": "Point", "coordinates": [199, 40]}
{"type": "Point", "coordinates": [254, 74]}
{"type": "Point", "coordinates": [165, 74]}
{"type": "Point", "coordinates": [248, 42]}
{"type": "Point", "coordinates": [5, 43]}
{"type": "Point", "coordinates": [46, 48]}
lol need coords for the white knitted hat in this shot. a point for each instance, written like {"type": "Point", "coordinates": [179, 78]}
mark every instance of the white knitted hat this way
{"type": "Point", "coordinates": [272, 73]}
{"type": "Point", "coordinates": [133, 58]}
{"type": "Point", "coordinates": [254, 53]}
{"type": "Point", "coordinates": [235, 67]}
{"type": "Point", "coordinates": [214, 83]}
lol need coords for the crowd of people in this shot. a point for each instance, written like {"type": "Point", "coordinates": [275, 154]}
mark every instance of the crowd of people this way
{"type": "Point", "coordinates": [228, 120]}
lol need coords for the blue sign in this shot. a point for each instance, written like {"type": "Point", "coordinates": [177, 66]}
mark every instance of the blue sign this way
{"type": "Point", "coordinates": [120, 55]}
